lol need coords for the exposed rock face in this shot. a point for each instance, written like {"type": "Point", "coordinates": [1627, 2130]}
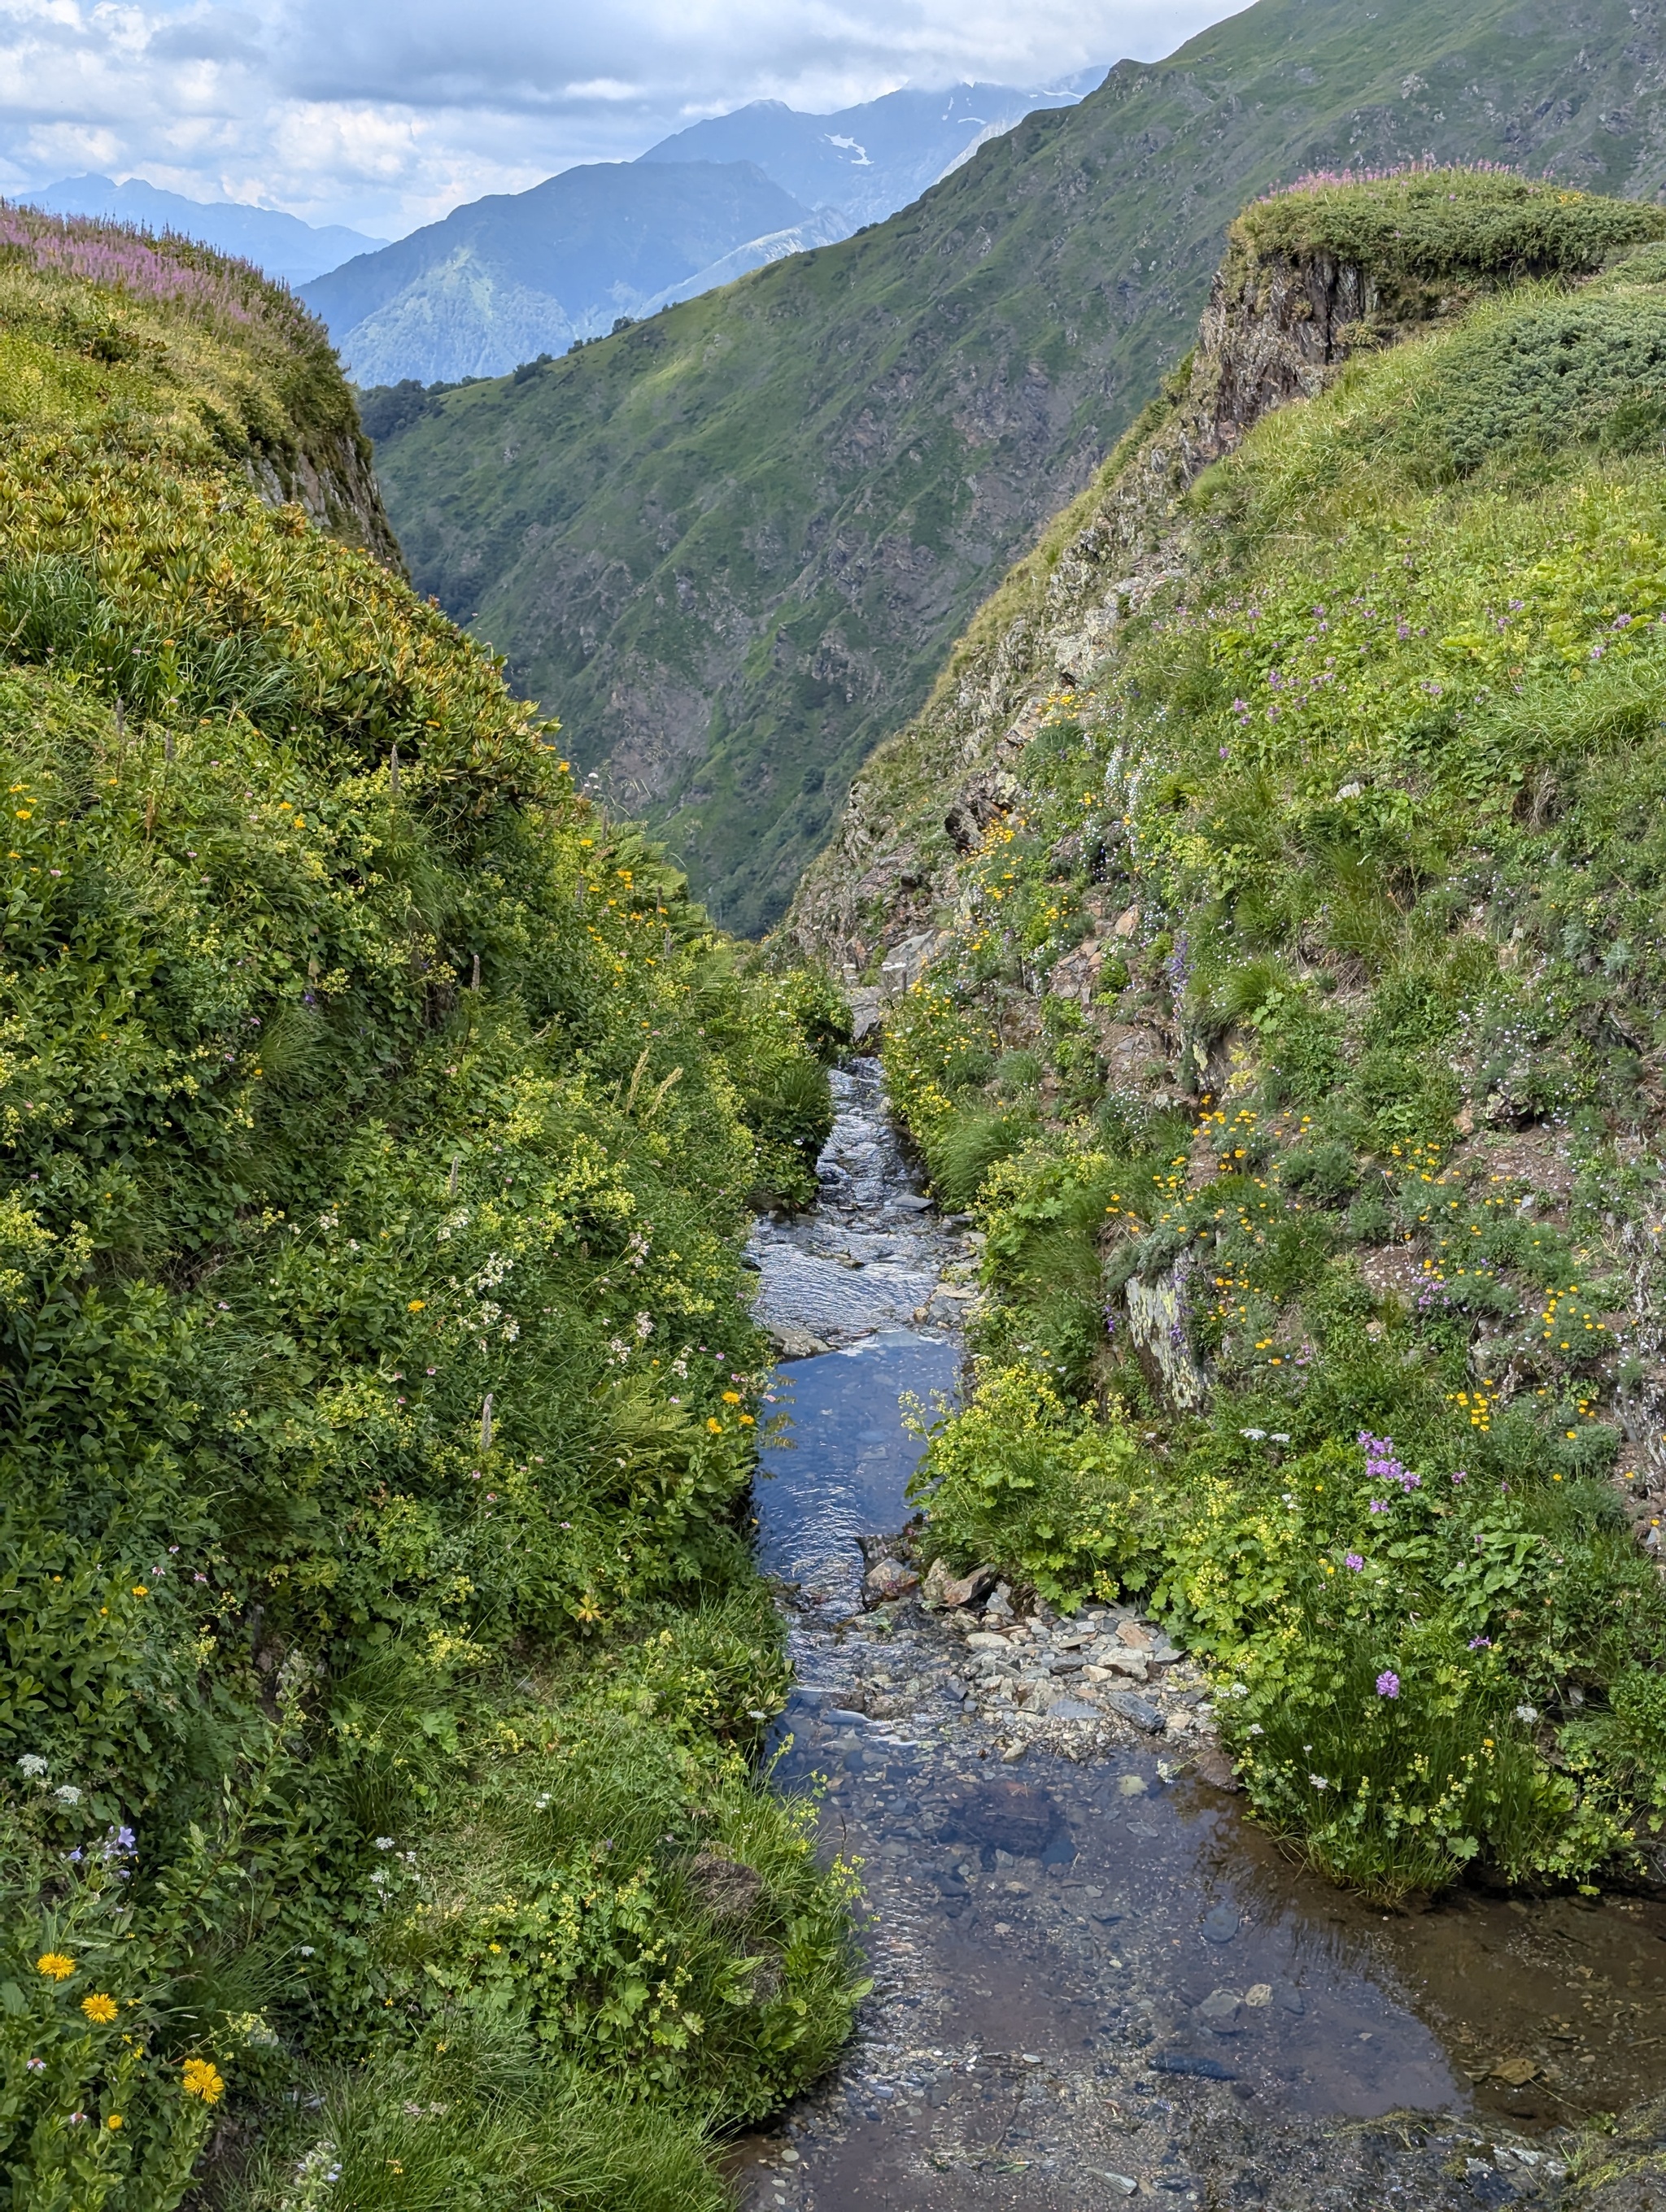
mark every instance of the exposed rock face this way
{"type": "Point", "coordinates": [1157, 1322]}
{"type": "Point", "coordinates": [1275, 329]}
{"type": "Point", "coordinates": [331, 476]}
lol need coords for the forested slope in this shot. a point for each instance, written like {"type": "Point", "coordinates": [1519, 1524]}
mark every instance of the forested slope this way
{"type": "Point", "coordinates": [736, 542]}
{"type": "Point", "coordinates": [378, 1126]}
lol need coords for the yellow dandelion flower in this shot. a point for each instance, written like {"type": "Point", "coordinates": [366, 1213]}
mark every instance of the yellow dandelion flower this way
{"type": "Point", "coordinates": [100, 2008]}
{"type": "Point", "coordinates": [54, 1964]}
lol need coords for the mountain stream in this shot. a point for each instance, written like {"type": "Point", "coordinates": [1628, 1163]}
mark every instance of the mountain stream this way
{"type": "Point", "coordinates": [1094, 1978]}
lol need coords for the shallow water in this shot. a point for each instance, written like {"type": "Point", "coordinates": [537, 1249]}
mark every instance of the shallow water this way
{"type": "Point", "coordinates": [1094, 1978]}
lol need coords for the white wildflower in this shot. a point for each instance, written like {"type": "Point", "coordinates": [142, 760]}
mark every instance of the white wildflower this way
{"type": "Point", "coordinates": [31, 1765]}
{"type": "Point", "coordinates": [67, 1794]}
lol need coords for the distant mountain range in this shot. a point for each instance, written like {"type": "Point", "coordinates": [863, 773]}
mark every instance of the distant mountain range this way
{"type": "Point", "coordinates": [282, 244]}
{"type": "Point", "coordinates": [731, 547]}
{"type": "Point", "coordinates": [867, 162]}
{"type": "Point", "coordinates": [504, 279]}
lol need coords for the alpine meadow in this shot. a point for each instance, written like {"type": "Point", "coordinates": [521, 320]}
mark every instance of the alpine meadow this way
{"type": "Point", "coordinates": [383, 1659]}
{"type": "Point", "coordinates": [1156, 655]}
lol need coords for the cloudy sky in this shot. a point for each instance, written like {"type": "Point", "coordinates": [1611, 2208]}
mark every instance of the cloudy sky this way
{"type": "Point", "coordinates": [385, 113]}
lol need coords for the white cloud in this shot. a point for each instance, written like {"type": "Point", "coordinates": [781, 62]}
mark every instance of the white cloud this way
{"type": "Point", "coordinates": [385, 113]}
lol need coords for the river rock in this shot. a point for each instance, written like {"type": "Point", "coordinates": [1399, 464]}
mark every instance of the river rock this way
{"type": "Point", "coordinates": [889, 1578]}
{"type": "Point", "coordinates": [949, 1592]}
{"type": "Point", "coordinates": [1005, 1816]}
{"type": "Point", "coordinates": [1214, 1767]}
{"type": "Point", "coordinates": [1072, 1708]}
{"type": "Point", "coordinates": [1140, 1710]}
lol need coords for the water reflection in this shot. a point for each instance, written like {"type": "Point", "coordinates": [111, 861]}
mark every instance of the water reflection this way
{"type": "Point", "coordinates": [1107, 1912]}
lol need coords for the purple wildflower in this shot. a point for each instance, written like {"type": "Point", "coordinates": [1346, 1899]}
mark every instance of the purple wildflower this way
{"type": "Point", "coordinates": [1382, 1466]}
{"type": "Point", "coordinates": [1480, 1643]}
{"type": "Point", "coordinates": [1352, 1560]}
{"type": "Point", "coordinates": [1388, 1683]}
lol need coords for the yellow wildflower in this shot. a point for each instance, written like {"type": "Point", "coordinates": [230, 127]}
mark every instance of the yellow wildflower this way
{"type": "Point", "coordinates": [100, 2008]}
{"type": "Point", "coordinates": [202, 2079]}
{"type": "Point", "coordinates": [55, 1965]}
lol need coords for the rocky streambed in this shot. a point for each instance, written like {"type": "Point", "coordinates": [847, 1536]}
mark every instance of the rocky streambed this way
{"type": "Point", "coordinates": [1094, 1979]}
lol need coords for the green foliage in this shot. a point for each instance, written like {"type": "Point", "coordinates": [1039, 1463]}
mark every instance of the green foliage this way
{"type": "Point", "coordinates": [378, 1124]}
{"type": "Point", "coordinates": [1441, 226]}
{"type": "Point", "coordinates": [1383, 791]}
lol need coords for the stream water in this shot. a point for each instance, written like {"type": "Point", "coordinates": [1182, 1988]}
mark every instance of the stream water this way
{"type": "Point", "coordinates": [1094, 1978]}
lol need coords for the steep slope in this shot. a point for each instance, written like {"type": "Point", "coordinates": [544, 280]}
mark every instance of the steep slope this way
{"type": "Point", "coordinates": [516, 275]}
{"type": "Point", "coordinates": [1292, 1017]}
{"type": "Point", "coordinates": [738, 543]}
{"type": "Point", "coordinates": [869, 161]}
{"type": "Point", "coordinates": [378, 1133]}
{"type": "Point", "coordinates": [281, 245]}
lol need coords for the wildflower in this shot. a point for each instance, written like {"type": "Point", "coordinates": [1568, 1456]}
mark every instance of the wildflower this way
{"type": "Point", "coordinates": [1353, 1560]}
{"type": "Point", "coordinates": [1379, 1505]}
{"type": "Point", "coordinates": [1527, 1713]}
{"type": "Point", "coordinates": [67, 1794]}
{"type": "Point", "coordinates": [203, 2078]}
{"type": "Point", "coordinates": [113, 2122]}
{"type": "Point", "coordinates": [31, 1765]}
{"type": "Point", "coordinates": [55, 1966]}
{"type": "Point", "coordinates": [1318, 1781]}
{"type": "Point", "coordinates": [384, 1843]}
{"type": "Point", "coordinates": [1480, 1643]}
{"type": "Point", "coordinates": [1388, 1683]}
{"type": "Point", "coordinates": [416, 1305]}
{"type": "Point", "coordinates": [100, 2008]}
{"type": "Point", "coordinates": [35, 2065]}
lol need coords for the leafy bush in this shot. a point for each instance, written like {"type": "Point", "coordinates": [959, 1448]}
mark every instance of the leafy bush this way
{"type": "Point", "coordinates": [380, 1394]}
{"type": "Point", "coordinates": [1384, 774]}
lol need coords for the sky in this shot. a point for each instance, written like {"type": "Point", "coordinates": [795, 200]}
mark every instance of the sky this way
{"type": "Point", "coordinates": [387, 114]}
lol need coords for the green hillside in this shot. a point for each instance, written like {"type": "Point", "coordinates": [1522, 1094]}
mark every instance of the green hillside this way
{"type": "Point", "coordinates": [735, 543]}
{"type": "Point", "coordinates": [1296, 1031]}
{"type": "Point", "coordinates": [382, 1657]}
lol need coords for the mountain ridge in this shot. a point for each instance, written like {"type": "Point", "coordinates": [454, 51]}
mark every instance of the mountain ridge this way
{"type": "Point", "coordinates": [514, 274]}
{"type": "Point", "coordinates": [738, 543]}
{"type": "Point", "coordinates": [281, 245]}
{"type": "Point", "coordinates": [870, 160]}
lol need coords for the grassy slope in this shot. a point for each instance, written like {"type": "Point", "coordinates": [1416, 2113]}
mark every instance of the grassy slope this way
{"type": "Point", "coordinates": [1381, 777]}
{"type": "Point", "coordinates": [381, 1660]}
{"type": "Point", "coordinates": [736, 542]}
